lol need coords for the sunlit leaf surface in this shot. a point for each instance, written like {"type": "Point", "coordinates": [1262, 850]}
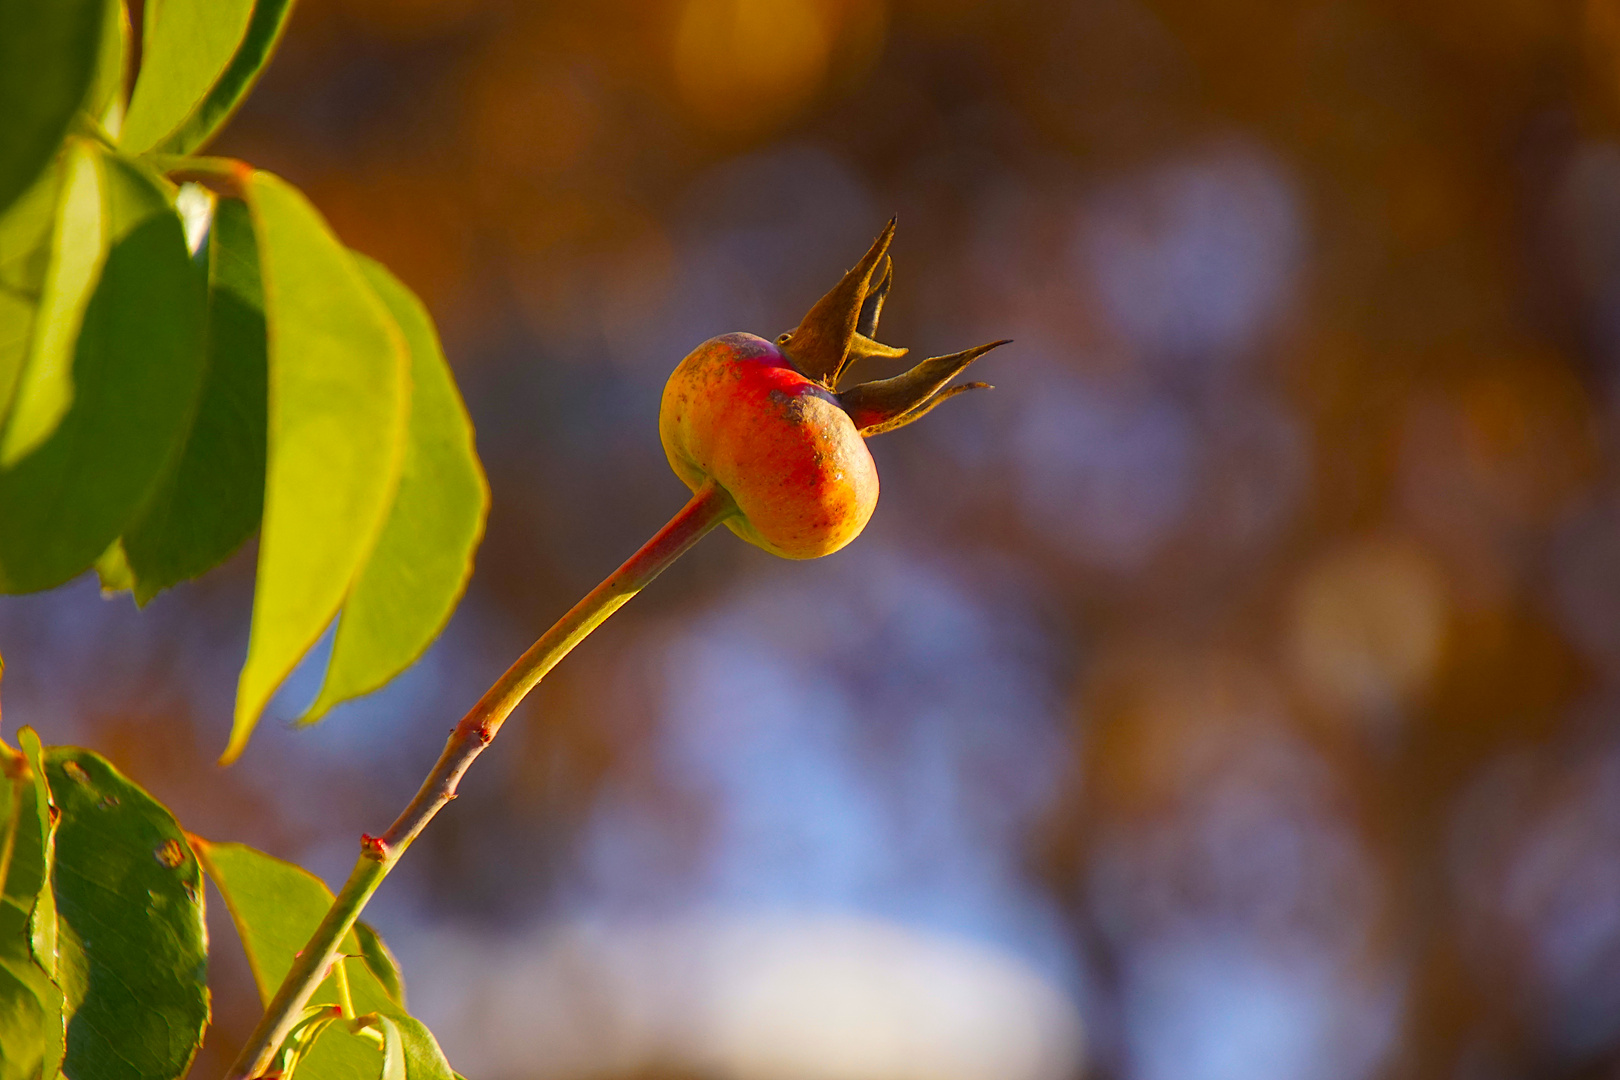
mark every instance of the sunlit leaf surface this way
{"type": "Point", "coordinates": [105, 99]}
{"type": "Point", "coordinates": [25, 250]}
{"type": "Point", "coordinates": [264, 30]}
{"type": "Point", "coordinates": [420, 566]}
{"type": "Point", "coordinates": [186, 47]}
{"type": "Point", "coordinates": [423, 1058]}
{"type": "Point", "coordinates": [339, 392]}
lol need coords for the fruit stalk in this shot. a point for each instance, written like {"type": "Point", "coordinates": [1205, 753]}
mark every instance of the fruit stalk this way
{"type": "Point", "coordinates": [708, 507]}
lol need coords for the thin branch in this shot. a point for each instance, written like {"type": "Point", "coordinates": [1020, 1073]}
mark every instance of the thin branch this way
{"type": "Point", "coordinates": [378, 854]}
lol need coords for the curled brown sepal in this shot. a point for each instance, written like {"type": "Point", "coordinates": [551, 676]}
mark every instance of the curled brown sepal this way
{"type": "Point", "coordinates": [838, 330]}
{"type": "Point", "coordinates": [886, 404]}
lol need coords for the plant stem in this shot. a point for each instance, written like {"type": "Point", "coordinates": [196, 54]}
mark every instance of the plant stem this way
{"type": "Point", "coordinates": [378, 854]}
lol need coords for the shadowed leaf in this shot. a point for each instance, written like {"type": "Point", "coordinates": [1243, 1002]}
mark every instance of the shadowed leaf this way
{"type": "Point", "coordinates": [105, 100]}
{"type": "Point", "coordinates": [380, 959]}
{"type": "Point", "coordinates": [48, 54]}
{"type": "Point", "coordinates": [209, 501]}
{"type": "Point", "coordinates": [42, 390]}
{"type": "Point", "coordinates": [275, 907]}
{"type": "Point", "coordinates": [25, 251]}
{"type": "Point", "coordinates": [30, 1004]}
{"type": "Point", "coordinates": [132, 948]}
{"type": "Point", "coordinates": [84, 444]}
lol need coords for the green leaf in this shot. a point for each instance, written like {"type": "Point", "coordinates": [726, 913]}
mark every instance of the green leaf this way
{"type": "Point", "coordinates": [186, 47]}
{"type": "Point", "coordinates": [30, 1004]}
{"type": "Point", "coordinates": [133, 949]}
{"type": "Point", "coordinates": [339, 402]}
{"type": "Point", "coordinates": [113, 570]}
{"type": "Point", "coordinates": [42, 920]}
{"type": "Point", "coordinates": [423, 1060]}
{"type": "Point", "coordinates": [25, 253]}
{"type": "Point", "coordinates": [84, 444]}
{"type": "Point", "coordinates": [264, 31]}
{"type": "Point", "coordinates": [105, 100]}
{"type": "Point", "coordinates": [275, 907]}
{"type": "Point", "coordinates": [421, 563]}
{"type": "Point", "coordinates": [379, 959]}
{"type": "Point", "coordinates": [210, 499]}
{"type": "Point", "coordinates": [43, 389]}
{"type": "Point", "coordinates": [48, 53]}
{"type": "Point", "coordinates": [393, 1052]}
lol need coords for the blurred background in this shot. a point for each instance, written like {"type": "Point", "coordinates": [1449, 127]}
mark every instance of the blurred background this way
{"type": "Point", "coordinates": [1233, 694]}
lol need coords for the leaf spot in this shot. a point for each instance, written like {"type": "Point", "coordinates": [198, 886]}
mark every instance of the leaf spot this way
{"type": "Point", "coordinates": [170, 854]}
{"type": "Point", "coordinates": [76, 772]}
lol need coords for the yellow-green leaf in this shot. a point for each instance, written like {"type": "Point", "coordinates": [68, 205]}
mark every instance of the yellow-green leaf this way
{"type": "Point", "coordinates": [25, 251]}
{"type": "Point", "coordinates": [105, 101]}
{"type": "Point", "coordinates": [421, 563]}
{"type": "Point", "coordinates": [418, 1053]}
{"type": "Point", "coordinates": [186, 47]}
{"type": "Point", "coordinates": [339, 400]}
{"type": "Point", "coordinates": [264, 32]}
{"type": "Point", "coordinates": [44, 389]}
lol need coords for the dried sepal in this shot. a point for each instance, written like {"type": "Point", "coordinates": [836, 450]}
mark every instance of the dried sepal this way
{"type": "Point", "coordinates": [872, 306]}
{"type": "Point", "coordinates": [821, 345]}
{"type": "Point", "coordinates": [927, 406]}
{"type": "Point", "coordinates": [886, 404]}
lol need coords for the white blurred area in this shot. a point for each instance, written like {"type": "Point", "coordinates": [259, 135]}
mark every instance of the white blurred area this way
{"type": "Point", "coordinates": [747, 997]}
